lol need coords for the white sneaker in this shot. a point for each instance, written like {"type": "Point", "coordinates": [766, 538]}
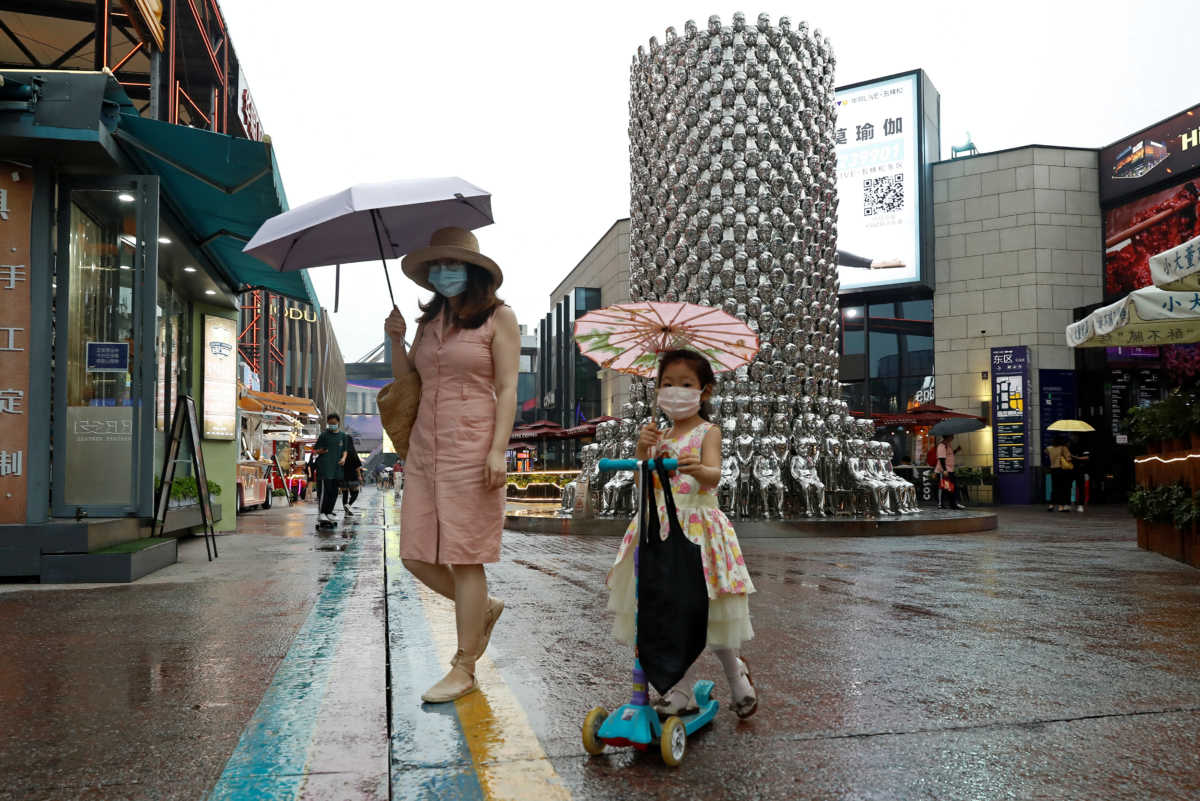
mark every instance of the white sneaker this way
{"type": "Point", "coordinates": [346, 511]}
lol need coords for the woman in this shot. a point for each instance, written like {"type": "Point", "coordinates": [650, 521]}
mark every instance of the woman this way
{"type": "Point", "coordinates": [352, 476]}
{"type": "Point", "coordinates": [947, 486]}
{"type": "Point", "coordinates": [1061, 472]}
{"type": "Point", "coordinates": [466, 350]}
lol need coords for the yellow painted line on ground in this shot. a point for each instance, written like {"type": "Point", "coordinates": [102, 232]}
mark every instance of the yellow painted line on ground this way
{"type": "Point", "coordinates": [507, 755]}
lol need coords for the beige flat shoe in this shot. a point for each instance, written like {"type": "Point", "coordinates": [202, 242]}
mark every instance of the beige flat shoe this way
{"type": "Point", "coordinates": [458, 682]}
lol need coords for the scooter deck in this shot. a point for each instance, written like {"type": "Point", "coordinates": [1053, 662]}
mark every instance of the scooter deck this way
{"type": "Point", "coordinates": [638, 725]}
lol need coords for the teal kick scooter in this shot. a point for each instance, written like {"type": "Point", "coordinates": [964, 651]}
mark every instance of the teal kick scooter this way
{"type": "Point", "coordinates": [636, 723]}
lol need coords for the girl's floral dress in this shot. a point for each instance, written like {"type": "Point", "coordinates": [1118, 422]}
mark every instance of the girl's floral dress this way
{"type": "Point", "coordinates": [702, 520]}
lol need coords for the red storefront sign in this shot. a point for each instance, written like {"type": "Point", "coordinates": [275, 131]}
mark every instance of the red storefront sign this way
{"type": "Point", "coordinates": [16, 207]}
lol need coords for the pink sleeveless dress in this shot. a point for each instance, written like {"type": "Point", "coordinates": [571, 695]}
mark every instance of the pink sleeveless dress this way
{"type": "Point", "coordinates": [702, 520]}
{"type": "Point", "coordinates": [448, 515]}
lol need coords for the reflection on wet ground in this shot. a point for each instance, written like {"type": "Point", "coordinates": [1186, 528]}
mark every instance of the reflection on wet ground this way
{"type": "Point", "coordinates": [1048, 659]}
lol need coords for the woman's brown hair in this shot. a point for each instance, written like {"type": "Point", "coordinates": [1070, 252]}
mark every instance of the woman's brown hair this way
{"type": "Point", "coordinates": [479, 301]}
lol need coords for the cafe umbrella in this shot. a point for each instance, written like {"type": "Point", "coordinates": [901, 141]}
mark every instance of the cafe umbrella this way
{"type": "Point", "coordinates": [1076, 426]}
{"type": "Point", "coordinates": [369, 221]}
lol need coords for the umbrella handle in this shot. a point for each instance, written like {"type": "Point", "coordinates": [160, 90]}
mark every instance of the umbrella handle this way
{"type": "Point", "coordinates": [379, 242]}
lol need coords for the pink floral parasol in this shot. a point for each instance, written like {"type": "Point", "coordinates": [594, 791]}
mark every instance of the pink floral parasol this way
{"type": "Point", "coordinates": [629, 337]}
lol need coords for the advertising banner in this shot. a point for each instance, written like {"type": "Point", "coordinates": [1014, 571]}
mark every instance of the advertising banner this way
{"type": "Point", "coordinates": [16, 211]}
{"type": "Point", "coordinates": [879, 183]}
{"type": "Point", "coordinates": [220, 377]}
{"type": "Point", "coordinates": [1137, 162]}
{"type": "Point", "coordinates": [1142, 228]}
{"type": "Point", "coordinates": [1010, 423]}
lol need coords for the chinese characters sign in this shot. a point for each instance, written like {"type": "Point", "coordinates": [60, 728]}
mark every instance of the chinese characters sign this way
{"type": "Point", "coordinates": [878, 183]}
{"type": "Point", "coordinates": [220, 377]}
{"type": "Point", "coordinates": [1010, 423]}
{"type": "Point", "coordinates": [16, 201]}
{"type": "Point", "coordinates": [108, 357]}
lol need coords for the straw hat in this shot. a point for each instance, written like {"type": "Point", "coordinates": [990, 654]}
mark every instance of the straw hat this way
{"type": "Point", "coordinates": [458, 244]}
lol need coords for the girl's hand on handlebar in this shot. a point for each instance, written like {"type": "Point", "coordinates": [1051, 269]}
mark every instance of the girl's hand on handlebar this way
{"type": "Point", "coordinates": [689, 464]}
{"type": "Point", "coordinates": [648, 440]}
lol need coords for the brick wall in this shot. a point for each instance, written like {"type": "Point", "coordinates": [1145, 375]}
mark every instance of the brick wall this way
{"type": "Point", "coordinates": [1018, 246]}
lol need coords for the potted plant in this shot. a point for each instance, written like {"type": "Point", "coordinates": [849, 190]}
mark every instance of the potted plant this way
{"type": "Point", "coordinates": [1142, 422]}
{"type": "Point", "coordinates": [1175, 419]}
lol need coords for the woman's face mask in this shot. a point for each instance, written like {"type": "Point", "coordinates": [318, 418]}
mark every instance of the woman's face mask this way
{"type": "Point", "coordinates": [449, 279]}
{"type": "Point", "coordinates": [679, 403]}
{"type": "Point", "coordinates": [332, 426]}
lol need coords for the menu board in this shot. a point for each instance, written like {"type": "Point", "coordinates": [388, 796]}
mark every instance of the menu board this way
{"type": "Point", "coordinates": [1010, 422]}
{"type": "Point", "coordinates": [220, 378]}
{"type": "Point", "coordinates": [1058, 400]}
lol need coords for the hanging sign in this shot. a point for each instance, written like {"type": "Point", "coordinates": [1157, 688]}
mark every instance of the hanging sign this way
{"type": "Point", "coordinates": [16, 211]}
{"type": "Point", "coordinates": [1010, 423]}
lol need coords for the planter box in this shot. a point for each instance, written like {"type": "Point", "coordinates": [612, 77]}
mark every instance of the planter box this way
{"type": "Point", "coordinates": [1163, 538]}
{"type": "Point", "coordinates": [121, 563]}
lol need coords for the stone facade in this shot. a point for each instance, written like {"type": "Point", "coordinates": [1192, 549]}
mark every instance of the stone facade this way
{"type": "Point", "coordinates": [605, 266]}
{"type": "Point", "coordinates": [1018, 246]}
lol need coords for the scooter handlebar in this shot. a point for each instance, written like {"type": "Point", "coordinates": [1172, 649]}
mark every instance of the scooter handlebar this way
{"type": "Point", "coordinates": [632, 464]}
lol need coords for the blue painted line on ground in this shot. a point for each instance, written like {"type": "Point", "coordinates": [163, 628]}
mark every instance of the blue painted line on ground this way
{"type": "Point", "coordinates": [430, 757]}
{"type": "Point", "coordinates": [270, 759]}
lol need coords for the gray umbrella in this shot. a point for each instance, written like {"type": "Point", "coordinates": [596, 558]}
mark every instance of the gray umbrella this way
{"type": "Point", "coordinates": [957, 425]}
{"type": "Point", "coordinates": [369, 221]}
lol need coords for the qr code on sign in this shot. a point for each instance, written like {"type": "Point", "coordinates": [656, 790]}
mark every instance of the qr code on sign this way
{"type": "Point", "coordinates": [883, 195]}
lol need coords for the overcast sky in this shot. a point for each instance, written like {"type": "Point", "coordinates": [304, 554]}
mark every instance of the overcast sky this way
{"type": "Point", "coordinates": [529, 101]}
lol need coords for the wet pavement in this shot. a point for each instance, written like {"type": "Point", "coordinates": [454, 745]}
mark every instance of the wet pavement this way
{"type": "Point", "coordinates": [1047, 659]}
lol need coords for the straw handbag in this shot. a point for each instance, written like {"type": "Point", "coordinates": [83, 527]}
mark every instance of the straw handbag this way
{"type": "Point", "coordinates": [398, 403]}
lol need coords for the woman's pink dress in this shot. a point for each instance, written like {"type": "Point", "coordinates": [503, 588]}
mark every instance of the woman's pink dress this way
{"type": "Point", "coordinates": [448, 515]}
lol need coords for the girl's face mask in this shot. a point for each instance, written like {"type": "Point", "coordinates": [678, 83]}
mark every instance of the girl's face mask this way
{"type": "Point", "coordinates": [450, 280]}
{"type": "Point", "coordinates": [679, 403]}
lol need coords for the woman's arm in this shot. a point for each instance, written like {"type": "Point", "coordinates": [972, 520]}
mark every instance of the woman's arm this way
{"type": "Point", "coordinates": [395, 328]}
{"type": "Point", "coordinates": [506, 361]}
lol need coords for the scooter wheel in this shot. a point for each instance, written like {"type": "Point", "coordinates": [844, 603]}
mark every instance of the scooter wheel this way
{"type": "Point", "coordinates": [674, 741]}
{"type": "Point", "coordinates": [591, 728]}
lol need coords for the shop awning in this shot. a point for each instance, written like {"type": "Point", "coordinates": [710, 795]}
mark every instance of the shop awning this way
{"type": "Point", "coordinates": [1146, 316]}
{"type": "Point", "coordinates": [256, 401]}
{"type": "Point", "coordinates": [223, 188]}
{"type": "Point", "coordinates": [924, 415]}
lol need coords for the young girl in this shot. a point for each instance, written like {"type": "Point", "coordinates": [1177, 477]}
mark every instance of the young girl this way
{"type": "Point", "coordinates": [685, 382]}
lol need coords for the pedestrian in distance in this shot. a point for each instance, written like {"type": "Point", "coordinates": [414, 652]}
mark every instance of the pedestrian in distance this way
{"type": "Point", "coordinates": [331, 452]}
{"type": "Point", "coordinates": [685, 383]}
{"type": "Point", "coordinates": [352, 476]}
{"type": "Point", "coordinates": [1062, 470]}
{"type": "Point", "coordinates": [466, 351]}
{"type": "Point", "coordinates": [947, 486]}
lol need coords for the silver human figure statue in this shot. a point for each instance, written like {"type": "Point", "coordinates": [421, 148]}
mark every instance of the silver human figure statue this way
{"type": "Point", "coordinates": [618, 492]}
{"type": "Point", "coordinates": [768, 475]}
{"type": "Point", "coordinates": [727, 486]}
{"type": "Point", "coordinates": [804, 474]}
{"type": "Point", "coordinates": [872, 495]}
{"type": "Point", "coordinates": [743, 448]}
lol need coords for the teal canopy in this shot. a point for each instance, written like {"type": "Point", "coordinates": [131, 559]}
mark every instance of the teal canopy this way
{"type": "Point", "coordinates": [223, 188]}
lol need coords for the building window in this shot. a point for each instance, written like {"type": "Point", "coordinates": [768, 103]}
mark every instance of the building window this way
{"type": "Point", "coordinates": [887, 355]}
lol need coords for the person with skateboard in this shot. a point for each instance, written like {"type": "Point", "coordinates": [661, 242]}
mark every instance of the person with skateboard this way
{"type": "Point", "coordinates": [331, 450]}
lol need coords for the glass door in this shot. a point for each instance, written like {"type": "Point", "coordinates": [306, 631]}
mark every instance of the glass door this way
{"type": "Point", "coordinates": [104, 346]}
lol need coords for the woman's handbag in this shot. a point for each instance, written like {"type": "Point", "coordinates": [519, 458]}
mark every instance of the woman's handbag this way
{"type": "Point", "coordinates": [398, 402]}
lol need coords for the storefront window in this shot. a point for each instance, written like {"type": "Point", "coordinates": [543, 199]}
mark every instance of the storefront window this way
{"type": "Point", "coordinates": [99, 348]}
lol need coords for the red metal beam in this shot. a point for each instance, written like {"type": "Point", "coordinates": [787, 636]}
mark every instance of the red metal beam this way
{"type": "Point", "coordinates": [212, 56]}
{"type": "Point", "coordinates": [128, 56]}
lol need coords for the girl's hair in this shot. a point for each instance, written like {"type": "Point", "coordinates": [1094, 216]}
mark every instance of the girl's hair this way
{"type": "Point", "coordinates": [699, 365]}
{"type": "Point", "coordinates": [479, 300]}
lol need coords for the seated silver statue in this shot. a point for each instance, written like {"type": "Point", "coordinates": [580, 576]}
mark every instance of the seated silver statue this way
{"type": "Point", "coordinates": [730, 472]}
{"type": "Point", "coordinates": [872, 495]}
{"type": "Point", "coordinates": [768, 475]}
{"type": "Point", "coordinates": [810, 490]}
